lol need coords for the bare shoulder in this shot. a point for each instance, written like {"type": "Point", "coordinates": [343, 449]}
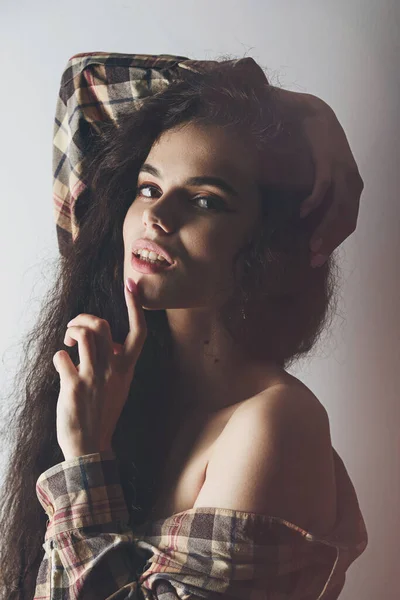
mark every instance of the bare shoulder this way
{"type": "Point", "coordinates": [297, 424]}
{"type": "Point", "coordinates": [288, 399]}
{"type": "Point", "coordinates": [275, 457]}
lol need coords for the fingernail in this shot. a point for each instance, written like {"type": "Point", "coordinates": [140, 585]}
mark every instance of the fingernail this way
{"type": "Point", "coordinates": [318, 260]}
{"type": "Point", "coordinates": [315, 246]}
{"type": "Point", "coordinates": [131, 285]}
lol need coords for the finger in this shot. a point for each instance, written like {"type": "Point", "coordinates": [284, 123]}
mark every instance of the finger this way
{"type": "Point", "coordinates": [340, 219]}
{"type": "Point", "coordinates": [321, 187]}
{"type": "Point", "coordinates": [137, 325]}
{"type": "Point", "coordinates": [102, 332]}
{"type": "Point", "coordinates": [86, 348]}
{"type": "Point", "coordinates": [64, 366]}
{"type": "Point", "coordinates": [91, 321]}
{"type": "Point", "coordinates": [83, 319]}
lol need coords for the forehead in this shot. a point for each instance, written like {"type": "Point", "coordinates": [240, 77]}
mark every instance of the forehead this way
{"type": "Point", "coordinates": [208, 149]}
{"type": "Point", "coordinates": [201, 149]}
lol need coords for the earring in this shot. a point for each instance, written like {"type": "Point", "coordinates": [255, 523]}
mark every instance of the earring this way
{"type": "Point", "coordinates": [243, 313]}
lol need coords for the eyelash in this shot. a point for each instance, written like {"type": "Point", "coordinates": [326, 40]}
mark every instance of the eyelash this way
{"type": "Point", "coordinates": [208, 198]}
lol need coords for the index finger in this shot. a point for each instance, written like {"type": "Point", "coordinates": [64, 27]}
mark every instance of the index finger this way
{"type": "Point", "coordinates": [137, 333]}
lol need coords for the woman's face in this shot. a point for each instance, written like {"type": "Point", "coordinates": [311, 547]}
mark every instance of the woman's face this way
{"type": "Point", "coordinates": [200, 224]}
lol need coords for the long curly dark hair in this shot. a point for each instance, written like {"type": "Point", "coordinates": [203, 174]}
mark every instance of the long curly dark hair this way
{"type": "Point", "coordinates": [285, 302]}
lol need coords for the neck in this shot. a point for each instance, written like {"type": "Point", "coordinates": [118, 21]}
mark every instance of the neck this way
{"type": "Point", "coordinates": [209, 371]}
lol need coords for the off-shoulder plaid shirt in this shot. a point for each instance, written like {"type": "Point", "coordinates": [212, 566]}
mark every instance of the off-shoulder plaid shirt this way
{"type": "Point", "coordinates": [90, 551]}
{"type": "Point", "coordinates": [204, 552]}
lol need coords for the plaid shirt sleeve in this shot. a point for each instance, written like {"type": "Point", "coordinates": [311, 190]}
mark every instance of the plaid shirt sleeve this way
{"type": "Point", "coordinates": [92, 554]}
{"type": "Point", "coordinates": [97, 87]}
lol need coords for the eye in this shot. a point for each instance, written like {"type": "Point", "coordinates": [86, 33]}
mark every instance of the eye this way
{"type": "Point", "coordinates": [142, 187]}
{"type": "Point", "coordinates": [218, 203]}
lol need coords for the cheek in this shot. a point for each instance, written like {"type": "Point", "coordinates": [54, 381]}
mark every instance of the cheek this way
{"type": "Point", "coordinates": [212, 256]}
{"type": "Point", "coordinates": [225, 244]}
{"type": "Point", "coordinates": [209, 246]}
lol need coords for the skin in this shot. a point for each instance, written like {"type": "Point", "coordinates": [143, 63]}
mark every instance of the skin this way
{"type": "Point", "coordinates": [336, 172]}
{"type": "Point", "coordinates": [209, 369]}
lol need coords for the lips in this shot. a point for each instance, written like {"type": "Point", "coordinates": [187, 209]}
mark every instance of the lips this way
{"type": "Point", "coordinates": [145, 244]}
{"type": "Point", "coordinates": [144, 266]}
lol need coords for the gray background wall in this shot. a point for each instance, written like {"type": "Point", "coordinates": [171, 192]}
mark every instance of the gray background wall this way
{"type": "Point", "coordinates": [346, 52]}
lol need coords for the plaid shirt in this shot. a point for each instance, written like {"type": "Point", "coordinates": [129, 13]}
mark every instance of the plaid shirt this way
{"type": "Point", "coordinates": [97, 87]}
{"type": "Point", "coordinates": [92, 554]}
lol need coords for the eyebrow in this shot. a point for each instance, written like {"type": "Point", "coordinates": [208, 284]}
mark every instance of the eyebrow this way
{"type": "Point", "coordinates": [204, 180]}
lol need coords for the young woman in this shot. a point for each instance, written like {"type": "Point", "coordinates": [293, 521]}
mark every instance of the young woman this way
{"type": "Point", "coordinates": [173, 453]}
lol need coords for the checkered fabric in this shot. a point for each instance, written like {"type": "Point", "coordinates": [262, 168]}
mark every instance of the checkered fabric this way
{"type": "Point", "coordinates": [98, 87]}
{"type": "Point", "coordinates": [204, 552]}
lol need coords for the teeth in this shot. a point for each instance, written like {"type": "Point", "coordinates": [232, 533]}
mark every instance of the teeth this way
{"type": "Point", "coordinates": [151, 255]}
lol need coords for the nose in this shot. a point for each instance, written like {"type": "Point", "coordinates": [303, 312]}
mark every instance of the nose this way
{"type": "Point", "coordinates": [160, 215]}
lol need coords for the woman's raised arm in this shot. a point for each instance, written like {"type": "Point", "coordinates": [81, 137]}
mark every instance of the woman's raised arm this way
{"type": "Point", "coordinates": [100, 86]}
{"type": "Point", "coordinates": [336, 171]}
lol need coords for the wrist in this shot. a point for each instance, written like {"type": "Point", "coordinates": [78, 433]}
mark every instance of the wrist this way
{"type": "Point", "coordinates": [84, 450]}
